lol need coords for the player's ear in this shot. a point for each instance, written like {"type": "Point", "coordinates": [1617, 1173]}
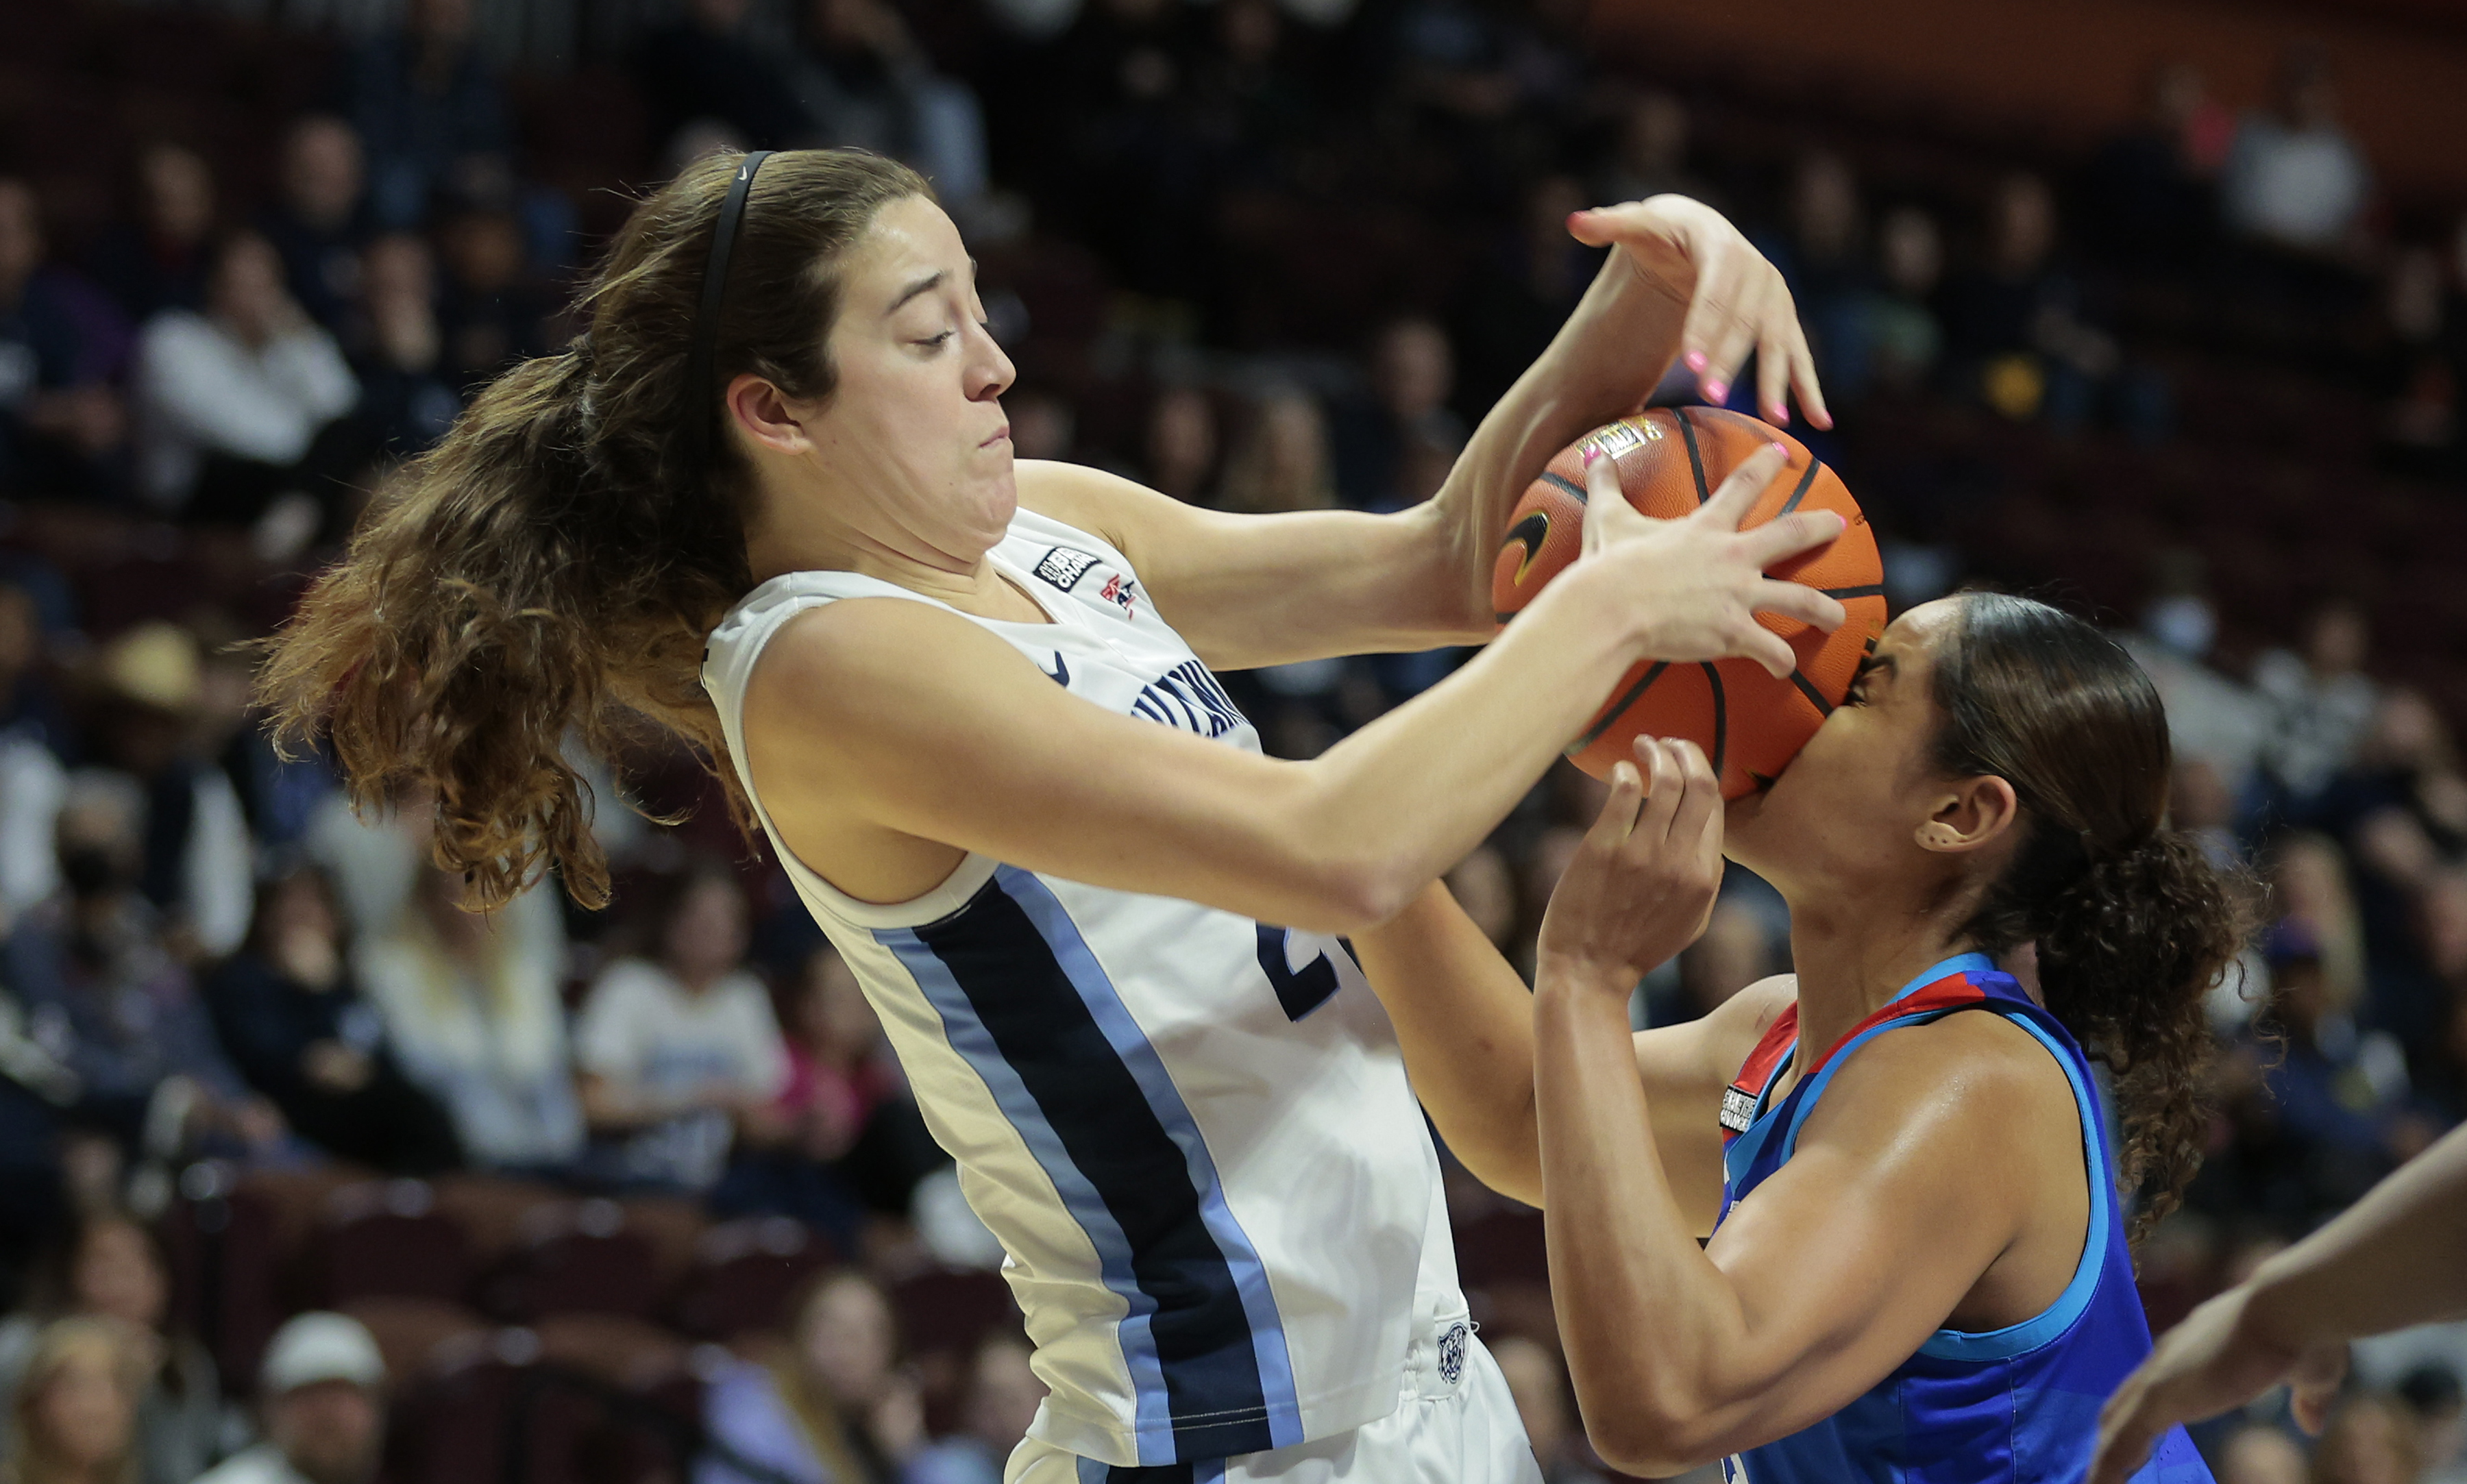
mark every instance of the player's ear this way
{"type": "Point", "coordinates": [1968, 815]}
{"type": "Point", "coordinates": [763, 415]}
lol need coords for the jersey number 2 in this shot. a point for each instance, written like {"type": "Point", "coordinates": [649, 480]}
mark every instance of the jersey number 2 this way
{"type": "Point", "coordinates": [1303, 990]}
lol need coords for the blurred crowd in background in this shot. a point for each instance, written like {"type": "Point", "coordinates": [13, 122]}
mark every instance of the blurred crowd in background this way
{"type": "Point", "coordinates": [2203, 383]}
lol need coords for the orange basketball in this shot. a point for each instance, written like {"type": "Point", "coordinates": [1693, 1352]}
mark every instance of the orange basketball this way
{"type": "Point", "coordinates": [1671, 461]}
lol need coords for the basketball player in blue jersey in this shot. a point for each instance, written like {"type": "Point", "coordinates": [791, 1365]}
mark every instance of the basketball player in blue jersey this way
{"type": "Point", "coordinates": [768, 501]}
{"type": "Point", "coordinates": [1913, 1261]}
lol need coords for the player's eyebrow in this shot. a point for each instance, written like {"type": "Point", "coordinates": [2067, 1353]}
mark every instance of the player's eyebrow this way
{"type": "Point", "coordinates": [924, 285]}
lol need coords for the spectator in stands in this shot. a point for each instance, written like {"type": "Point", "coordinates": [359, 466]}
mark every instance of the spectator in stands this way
{"type": "Point", "coordinates": [76, 1409]}
{"type": "Point", "coordinates": [1824, 257]}
{"type": "Point", "coordinates": [1539, 1382]}
{"type": "Point", "coordinates": [848, 1136]}
{"type": "Point", "coordinates": [678, 1049]}
{"type": "Point", "coordinates": [197, 860]}
{"type": "Point", "coordinates": [2434, 1407]}
{"type": "Point", "coordinates": [292, 1018]}
{"type": "Point", "coordinates": [322, 1395]}
{"type": "Point", "coordinates": [2152, 188]}
{"type": "Point", "coordinates": [428, 107]}
{"type": "Point", "coordinates": [1283, 461]}
{"type": "Point", "coordinates": [490, 314]}
{"type": "Point", "coordinates": [2320, 702]}
{"type": "Point", "coordinates": [1651, 155]}
{"type": "Point", "coordinates": [2257, 1453]}
{"type": "Point", "coordinates": [1000, 1401]}
{"type": "Point", "coordinates": [837, 1410]}
{"type": "Point", "coordinates": [30, 704]}
{"type": "Point", "coordinates": [1412, 374]}
{"type": "Point", "coordinates": [161, 260]}
{"type": "Point", "coordinates": [861, 81]}
{"type": "Point", "coordinates": [319, 224]}
{"type": "Point", "coordinates": [62, 344]}
{"type": "Point", "coordinates": [106, 1266]}
{"type": "Point", "coordinates": [407, 398]}
{"type": "Point", "coordinates": [231, 402]}
{"type": "Point", "coordinates": [2017, 327]}
{"type": "Point", "coordinates": [705, 65]}
{"type": "Point", "coordinates": [32, 776]}
{"type": "Point", "coordinates": [472, 1013]}
{"type": "Point", "coordinates": [105, 997]}
{"type": "Point", "coordinates": [2340, 1092]}
{"type": "Point", "coordinates": [2418, 370]}
{"type": "Point", "coordinates": [1898, 328]}
{"type": "Point", "coordinates": [2367, 1441]}
{"type": "Point", "coordinates": [2296, 180]}
{"type": "Point", "coordinates": [1181, 444]}
{"type": "Point", "coordinates": [1518, 298]}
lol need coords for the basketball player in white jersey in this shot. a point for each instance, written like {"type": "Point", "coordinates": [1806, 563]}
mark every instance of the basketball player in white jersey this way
{"type": "Point", "coordinates": [769, 502]}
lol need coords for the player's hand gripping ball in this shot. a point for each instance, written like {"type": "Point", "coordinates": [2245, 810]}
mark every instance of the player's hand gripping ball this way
{"type": "Point", "coordinates": [1669, 462]}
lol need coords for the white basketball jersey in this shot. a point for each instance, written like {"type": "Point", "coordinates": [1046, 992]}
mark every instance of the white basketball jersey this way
{"type": "Point", "coordinates": [1192, 1131]}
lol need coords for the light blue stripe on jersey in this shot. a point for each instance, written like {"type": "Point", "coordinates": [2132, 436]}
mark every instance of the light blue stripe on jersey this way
{"type": "Point", "coordinates": [1153, 1427]}
{"type": "Point", "coordinates": [1950, 1344]}
{"type": "Point", "coordinates": [1131, 1044]}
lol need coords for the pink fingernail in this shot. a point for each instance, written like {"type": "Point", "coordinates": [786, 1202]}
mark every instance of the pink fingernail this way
{"type": "Point", "coordinates": [1718, 393]}
{"type": "Point", "coordinates": [1779, 447]}
{"type": "Point", "coordinates": [1779, 416]}
{"type": "Point", "coordinates": [1592, 454]}
{"type": "Point", "coordinates": [1696, 360]}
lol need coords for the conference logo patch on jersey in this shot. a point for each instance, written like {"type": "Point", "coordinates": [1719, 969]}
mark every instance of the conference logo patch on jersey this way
{"type": "Point", "coordinates": [1120, 592]}
{"type": "Point", "coordinates": [1452, 1354]}
{"type": "Point", "coordinates": [1738, 1109]}
{"type": "Point", "coordinates": [1064, 566]}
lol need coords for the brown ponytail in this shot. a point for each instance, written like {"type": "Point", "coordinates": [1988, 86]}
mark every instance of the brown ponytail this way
{"type": "Point", "coordinates": [2132, 924]}
{"type": "Point", "coordinates": [555, 564]}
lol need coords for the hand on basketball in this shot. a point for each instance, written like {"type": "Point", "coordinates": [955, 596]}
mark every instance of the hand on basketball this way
{"type": "Point", "coordinates": [2214, 1359]}
{"type": "Point", "coordinates": [1736, 300]}
{"type": "Point", "coordinates": [1700, 580]}
{"type": "Point", "coordinates": [1641, 886]}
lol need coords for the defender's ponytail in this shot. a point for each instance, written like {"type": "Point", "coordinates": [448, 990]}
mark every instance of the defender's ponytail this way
{"type": "Point", "coordinates": [552, 568]}
{"type": "Point", "coordinates": [2132, 923]}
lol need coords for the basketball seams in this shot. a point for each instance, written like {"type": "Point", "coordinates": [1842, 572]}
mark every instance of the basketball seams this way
{"type": "Point", "coordinates": [1721, 718]}
{"type": "Point", "coordinates": [1807, 689]}
{"type": "Point", "coordinates": [1571, 486]}
{"type": "Point", "coordinates": [1805, 482]}
{"type": "Point", "coordinates": [1695, 455]}
{"type": "Point", "coordinates": [1619, 708]}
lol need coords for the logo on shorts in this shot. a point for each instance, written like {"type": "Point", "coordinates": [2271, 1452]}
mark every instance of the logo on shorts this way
{"type": "Point", "coordinates": [1064, 567]}
{"type": "Point", "coordinates": [1452, 1354]}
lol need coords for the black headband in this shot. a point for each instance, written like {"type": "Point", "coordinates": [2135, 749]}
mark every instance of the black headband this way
{"type": "Point", "coordinates": [714, 289]}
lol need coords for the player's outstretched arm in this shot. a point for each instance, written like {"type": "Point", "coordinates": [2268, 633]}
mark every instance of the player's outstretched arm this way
{"type": "Point", "coordinates": [2391, 1260]}
{"type": "Point", "coordinates": [879, 730]}
{"type": "Point", "coordinates": [1680, 1354]}
{"type": "Point", "coordinates": [1464, 1018]}
{"type": "Point", "coordinates": [1265, 590]}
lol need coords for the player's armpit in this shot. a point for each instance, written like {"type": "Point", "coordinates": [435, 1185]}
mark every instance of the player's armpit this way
{"type": "Point", "coordinates": [1686, 1068]}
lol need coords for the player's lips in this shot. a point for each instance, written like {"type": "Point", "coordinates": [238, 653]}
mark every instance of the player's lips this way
{"type": "Point", "coordinates": [1001, 435]}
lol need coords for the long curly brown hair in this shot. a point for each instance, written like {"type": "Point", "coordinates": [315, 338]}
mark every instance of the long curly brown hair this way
{"type": "Point", "coordinates": [2132, 922]}
{"type": "Point", "coordinates": [553, 567]}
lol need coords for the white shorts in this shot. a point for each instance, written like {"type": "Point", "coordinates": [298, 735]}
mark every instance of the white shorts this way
{"type": "Point", "coordinates": [1456, 1424]}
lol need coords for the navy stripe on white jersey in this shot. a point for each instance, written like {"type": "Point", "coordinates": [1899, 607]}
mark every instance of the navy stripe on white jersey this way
{"type": "Point", "coordinates": [1031, 1008]}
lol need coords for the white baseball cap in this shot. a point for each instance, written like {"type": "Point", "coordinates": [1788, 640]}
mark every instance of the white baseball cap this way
{"type": "Point", "coordinates": [316, 1347]}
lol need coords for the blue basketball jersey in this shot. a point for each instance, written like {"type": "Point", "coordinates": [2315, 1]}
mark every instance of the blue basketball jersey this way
{"type": "Point", "coordinates": [2014, 1406]}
